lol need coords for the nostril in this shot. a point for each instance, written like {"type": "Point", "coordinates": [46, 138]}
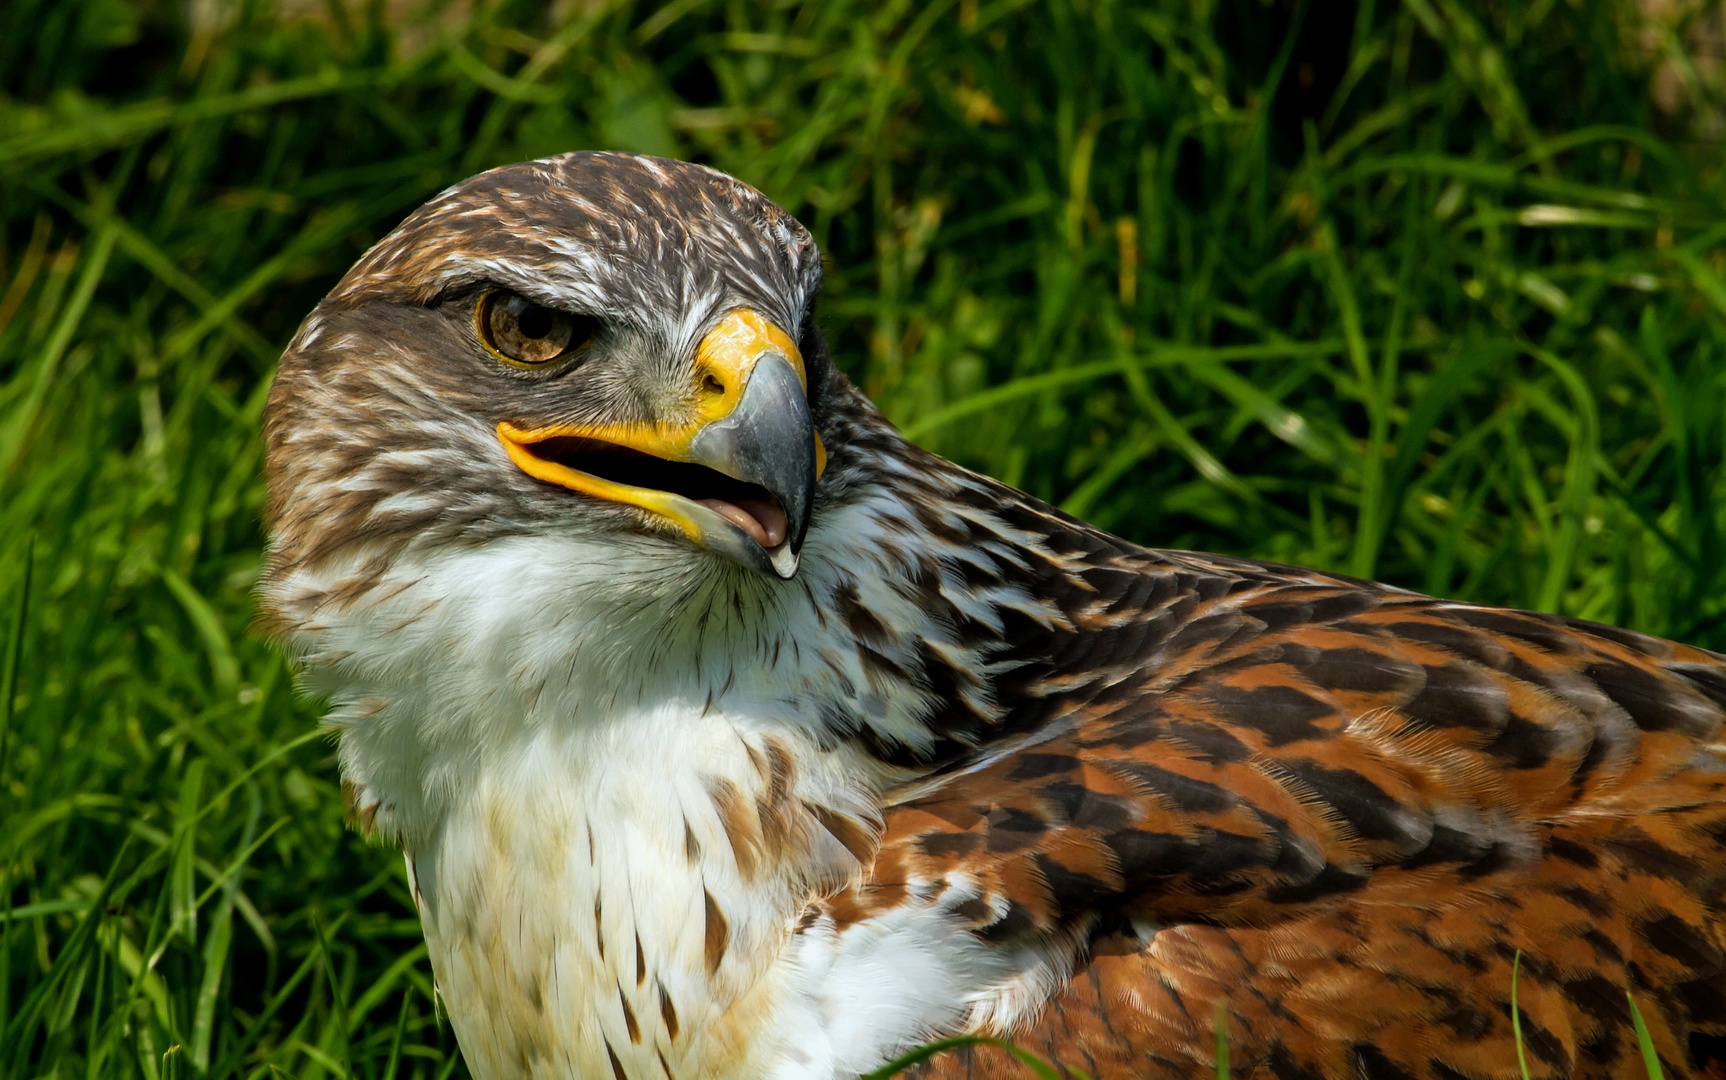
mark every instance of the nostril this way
{"type": "Point", "coordinates": [712, 385]}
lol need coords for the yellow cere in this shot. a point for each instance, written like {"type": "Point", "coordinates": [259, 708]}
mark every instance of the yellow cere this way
{"type": "Point", "coordinates": [729, 353]}
{"type": "Point", "coordinates": [730, 350]}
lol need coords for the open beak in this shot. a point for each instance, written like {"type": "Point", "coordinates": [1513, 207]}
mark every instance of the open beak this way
{"type": "Point", "coordinates": [738, 477]}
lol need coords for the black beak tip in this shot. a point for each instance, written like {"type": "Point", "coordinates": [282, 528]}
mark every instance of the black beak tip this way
{"type": "Point", "coordinates": [769, 439]}
{"type": "Point", "coordinates": [798, 518]}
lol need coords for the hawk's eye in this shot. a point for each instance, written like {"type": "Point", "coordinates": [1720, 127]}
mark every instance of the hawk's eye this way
{"type": "Point", "coordinates": [523, 332]}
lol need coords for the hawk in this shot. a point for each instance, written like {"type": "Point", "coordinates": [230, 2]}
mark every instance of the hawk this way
{"type": "Point", "coordinates": [728, 734]}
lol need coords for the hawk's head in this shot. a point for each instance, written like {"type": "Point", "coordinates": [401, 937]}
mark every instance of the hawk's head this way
{"type": "Point", "coordinates": [546, 457]}
{"type": "Point", "coordinates": [595, 345]}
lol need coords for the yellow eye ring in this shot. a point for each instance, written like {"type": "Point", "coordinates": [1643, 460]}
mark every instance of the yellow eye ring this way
{"type": "Point", "coordinates": [524, 334]}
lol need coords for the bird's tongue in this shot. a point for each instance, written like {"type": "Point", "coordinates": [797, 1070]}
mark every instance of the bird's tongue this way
{"type": "Point", "coordinates": [762, 519]}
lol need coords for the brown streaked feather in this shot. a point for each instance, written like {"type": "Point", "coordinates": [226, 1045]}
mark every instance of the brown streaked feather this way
{"type": "Point", "coordinates": [717, 933]}
{"type": "Point", "coordinates": [1337, 812]}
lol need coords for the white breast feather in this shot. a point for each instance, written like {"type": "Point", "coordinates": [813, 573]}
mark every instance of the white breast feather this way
{"type": "Point", "coordinates": [543, 733]}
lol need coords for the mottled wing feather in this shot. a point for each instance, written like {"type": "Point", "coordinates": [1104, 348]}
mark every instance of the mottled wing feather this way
{"type": "Point", "coordinates": [1338, 811]}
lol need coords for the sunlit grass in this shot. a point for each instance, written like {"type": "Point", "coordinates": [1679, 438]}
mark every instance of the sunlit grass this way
{"type": "Point", "coordinates": [1444, 306]}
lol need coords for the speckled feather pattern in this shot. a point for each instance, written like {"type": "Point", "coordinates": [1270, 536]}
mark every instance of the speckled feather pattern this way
{"type": "Point", "coordinates": [1085, 794]}
{"type": "Point", "coordinates": [1337, 811]}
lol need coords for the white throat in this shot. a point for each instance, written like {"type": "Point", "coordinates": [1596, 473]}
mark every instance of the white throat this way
{"type": "Point", "coordinates": [619, 818]}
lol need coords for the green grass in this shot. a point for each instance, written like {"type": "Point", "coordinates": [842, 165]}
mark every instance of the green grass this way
{"type": "Point", "coordinates": [1440, 300]}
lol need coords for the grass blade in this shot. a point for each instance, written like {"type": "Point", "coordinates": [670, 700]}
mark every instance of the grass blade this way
{"type": "Point", "coordinates": [1516, 1016]}
{"type": "Point", "coordinates": [1645, 1041]}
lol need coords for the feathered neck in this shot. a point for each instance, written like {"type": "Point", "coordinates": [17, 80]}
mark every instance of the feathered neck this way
{"type": "Point", "coordinates": [554, 725]}
{"type": "Point", "coordinates": [889, 637]}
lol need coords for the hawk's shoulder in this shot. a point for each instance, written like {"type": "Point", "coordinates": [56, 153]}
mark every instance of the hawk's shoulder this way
{"type": "Point", "coordinates": [1232, 782]}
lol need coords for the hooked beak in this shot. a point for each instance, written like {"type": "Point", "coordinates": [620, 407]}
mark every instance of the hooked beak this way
{"type": "Point", "coordinates": [738, 477]}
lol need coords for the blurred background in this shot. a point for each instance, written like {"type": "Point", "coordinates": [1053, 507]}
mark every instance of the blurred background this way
{"type": "Point", "coordinates": [1432, 292]}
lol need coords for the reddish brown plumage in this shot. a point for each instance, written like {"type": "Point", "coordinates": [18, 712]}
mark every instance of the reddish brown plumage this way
{"type": "Point", "coordinates": [1171, 784]}
{"type": "Point", "coordinates": [1337, 812]}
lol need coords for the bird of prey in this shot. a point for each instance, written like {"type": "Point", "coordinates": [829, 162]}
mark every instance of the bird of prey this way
{"type": "Point", "coordinates": [728, 734]}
